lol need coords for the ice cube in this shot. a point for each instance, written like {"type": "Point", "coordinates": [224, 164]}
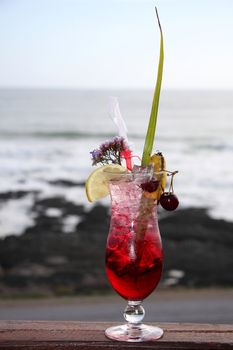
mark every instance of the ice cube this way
{"type": "Point", "coordinates": [142, 173]}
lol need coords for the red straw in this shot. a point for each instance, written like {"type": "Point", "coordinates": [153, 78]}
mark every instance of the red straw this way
{"type": "Point", "coordinates": [127, 155]}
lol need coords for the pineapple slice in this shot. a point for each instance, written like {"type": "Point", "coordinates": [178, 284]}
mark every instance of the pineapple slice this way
{"type": "Point", "coordinates": [159, 163]}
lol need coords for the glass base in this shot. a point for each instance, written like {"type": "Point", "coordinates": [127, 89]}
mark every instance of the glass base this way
{"type": "Point", "coordinates": [134, 333]}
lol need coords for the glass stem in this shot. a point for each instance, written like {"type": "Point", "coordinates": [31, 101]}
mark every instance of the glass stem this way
{"type": "Point", "coordinates": [134, 313]}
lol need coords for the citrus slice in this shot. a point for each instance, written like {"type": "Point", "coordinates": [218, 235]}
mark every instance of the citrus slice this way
{"type": "Point", "coordinates": [159, 163]}
{"type": "Point", "coordinates": [97, 182]}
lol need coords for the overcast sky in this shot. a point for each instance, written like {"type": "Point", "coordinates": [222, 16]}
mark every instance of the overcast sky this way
{"type": "Point", "coordinates": [115, 43]}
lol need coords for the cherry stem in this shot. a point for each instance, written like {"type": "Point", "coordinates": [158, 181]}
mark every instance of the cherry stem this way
{"type": "Point", "coordinates": [172, 174]}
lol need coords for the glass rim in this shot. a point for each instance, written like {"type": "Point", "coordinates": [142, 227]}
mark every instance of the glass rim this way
{"type": "Point", "coordinates": [129, 174]}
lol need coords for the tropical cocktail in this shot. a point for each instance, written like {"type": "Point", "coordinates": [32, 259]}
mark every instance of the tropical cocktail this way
{"type": "Point", "coordinates": [134, 255]}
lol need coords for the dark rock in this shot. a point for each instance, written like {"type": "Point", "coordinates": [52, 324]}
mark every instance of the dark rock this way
{"type": "Point", "coordinates": [96, 220]}
{"type": "Point", "coordinates": [195, 245]}
{"type": "Point", "coordinates": [82, 251]}
{"type": "Point", "coordinates": [66, 207]}
{"type": "Point", "coordinates": [66, 183]}
{"type": "Point", "coordinates": [15, 194]}
{"type": "Point", "coordinates": [198, 245]}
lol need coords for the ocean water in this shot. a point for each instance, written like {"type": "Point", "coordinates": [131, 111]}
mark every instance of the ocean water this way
{"type": "Point", "coordinates": [47, 135]}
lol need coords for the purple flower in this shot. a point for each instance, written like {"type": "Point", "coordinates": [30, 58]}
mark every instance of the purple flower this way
{"type": "Point", "coordinates": [109, 151]}
{"type": "Point", "coordinates": [95, 153]}
{"type": "Point", "coordinates": [96, 156]}
{"type": "Point", "coordinates": [104, 146]}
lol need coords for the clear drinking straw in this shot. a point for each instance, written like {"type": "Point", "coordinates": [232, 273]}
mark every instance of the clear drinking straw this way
{"type": "Point", "coordinates": [116, 116]}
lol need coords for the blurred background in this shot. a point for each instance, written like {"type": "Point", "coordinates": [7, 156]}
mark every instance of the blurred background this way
{"type": "Point", "coordinates": [60, 62]}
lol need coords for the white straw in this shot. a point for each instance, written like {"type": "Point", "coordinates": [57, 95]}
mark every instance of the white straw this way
{"type": "Point", "coordinates": [115, 115]}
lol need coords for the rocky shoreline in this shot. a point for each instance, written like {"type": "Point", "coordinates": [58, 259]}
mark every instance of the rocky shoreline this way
{"type": "Point", "coordinates": [62, 253]}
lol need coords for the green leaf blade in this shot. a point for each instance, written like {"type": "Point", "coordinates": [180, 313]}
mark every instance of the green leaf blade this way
{"type": "Point", "coordinates": [149, 141]}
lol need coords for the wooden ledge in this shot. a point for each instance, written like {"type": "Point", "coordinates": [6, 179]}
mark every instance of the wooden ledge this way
{"type": "Point", "coordinates": [67, 335]}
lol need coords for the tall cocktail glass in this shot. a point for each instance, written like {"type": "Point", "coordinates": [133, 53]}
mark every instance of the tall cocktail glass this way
{"type": "Point", "coordinates": [134, 256]}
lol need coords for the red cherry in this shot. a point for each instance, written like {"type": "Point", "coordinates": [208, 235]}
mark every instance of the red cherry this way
{"type": "Point", "coordinates": [150, 186]}
{"type": "Point", "coordinates": [169, 201]}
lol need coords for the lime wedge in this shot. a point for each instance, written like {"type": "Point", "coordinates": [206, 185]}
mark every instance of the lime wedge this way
{"type": "Point", "coordinates": [97, 182]}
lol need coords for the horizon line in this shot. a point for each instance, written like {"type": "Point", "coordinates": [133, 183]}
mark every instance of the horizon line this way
{"type": "Point", "coordinates": [93, 88]}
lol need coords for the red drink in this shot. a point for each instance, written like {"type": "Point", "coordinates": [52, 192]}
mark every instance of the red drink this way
{"type": "Point", "coordinates": [132, 278]}
{"type": "Point", "coordinates": [134, 257]}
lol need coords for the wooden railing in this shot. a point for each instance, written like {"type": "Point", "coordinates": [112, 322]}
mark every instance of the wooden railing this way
{"type": "Point", "coordinates": [69, 335]}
